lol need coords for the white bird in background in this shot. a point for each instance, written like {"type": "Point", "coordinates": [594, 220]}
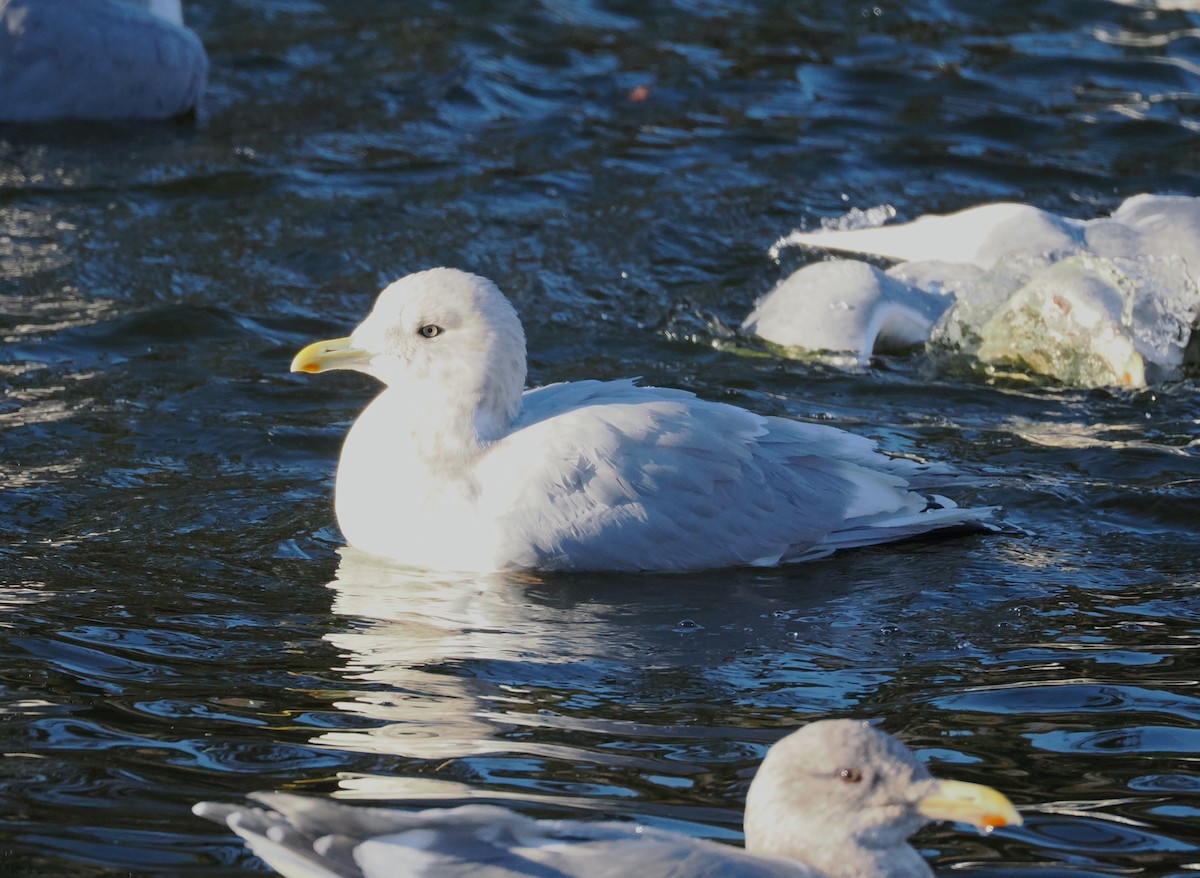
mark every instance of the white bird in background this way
{"type": "Point", "coordinates": [97, 59]}
{"type": "Point", "coordinates": [847, 307]}
{"type": "Point", "coordinates": [452, 467]}
{"type": "Point", "coordinates": [836, 799]}
{"type": "Point", "coordinates": [1106, 301]}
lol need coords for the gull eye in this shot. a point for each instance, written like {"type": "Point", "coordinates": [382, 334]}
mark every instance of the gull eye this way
{"type": "Point", "coordinates": [429, 330]}
{"type": "Point", "coordinates": [850, 775]}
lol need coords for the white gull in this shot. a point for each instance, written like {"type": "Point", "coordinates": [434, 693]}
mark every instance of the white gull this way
{"type": "Point", "coordinates": [1106, 301]}
{"type": "Point", "coordinates": [97, 59]}
{"type": "Point", "coordinates": [453, 467]}
{"type": "Point", "coordinates": [847, 307]}
{"type": "Point", "coordinates": [836, 799]}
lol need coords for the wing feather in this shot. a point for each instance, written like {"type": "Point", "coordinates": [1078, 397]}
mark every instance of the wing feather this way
{"type": "Point", "coordinates": [609, 475]}
{"type": "Point", "coordinates": [308, 837]}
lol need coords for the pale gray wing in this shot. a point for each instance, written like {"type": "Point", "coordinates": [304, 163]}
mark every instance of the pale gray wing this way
{"type": "Point", "coordinates": [305, 837]}
{"type": "Point", "coordinates": [65, 59]}
{"type": "Point", "coordinates": [978, 235]}
{"type": "Point", "coordinates": [615, 476]}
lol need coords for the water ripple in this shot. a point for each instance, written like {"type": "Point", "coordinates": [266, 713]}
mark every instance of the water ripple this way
{"type": "Point", "coordinates": [177, 624]}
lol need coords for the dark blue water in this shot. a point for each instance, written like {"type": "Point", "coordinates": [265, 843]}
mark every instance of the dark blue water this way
{"type": "Point", "coordinates": [177, 623]}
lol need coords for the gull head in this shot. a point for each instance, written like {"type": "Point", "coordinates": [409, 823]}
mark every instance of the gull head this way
{"type": "Point", "coordinates": [445, 340]}
{"type": "Point", "coordinates": [838, 785]}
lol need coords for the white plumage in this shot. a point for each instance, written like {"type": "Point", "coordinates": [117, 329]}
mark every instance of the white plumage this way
{"type": "Point", "coordinates": [453, 467]}
{"type": "Point", "coordinates": [1105, 301]}
{"type": "Point", "coordinates": [97, 59]}
{"type": "Point", "coordinates": [836, 799]}
{"type": "Point", "coordinates": [1143, 225]}
{"type": "Point", "coordinates": [841, 306]}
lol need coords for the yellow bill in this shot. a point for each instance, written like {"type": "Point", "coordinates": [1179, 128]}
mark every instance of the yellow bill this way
{"type": "Point", "coordinates": [335, 353]}
{"type": "Point", "coordinates": [973, 803]}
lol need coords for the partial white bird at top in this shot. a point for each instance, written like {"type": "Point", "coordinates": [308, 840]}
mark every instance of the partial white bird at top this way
{"type": "Point", "coordinates": [453, 467]}
{"type": "Point", "coordinates": [98, 60]}
{"type": "Point", "coordinates": [1106, 301]}
{"type": "Point", "coordinates": [836, 799]}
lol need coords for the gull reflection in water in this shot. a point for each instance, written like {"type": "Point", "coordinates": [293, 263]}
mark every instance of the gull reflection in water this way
{"type": "Point", "coordinates": [457, 664]}
{"type": "Point", "coordinates": [413, 633]}
{"type": "Point", "coordinates": [617, 691]}
{"type": "Point", "coordinates": [519, 674]}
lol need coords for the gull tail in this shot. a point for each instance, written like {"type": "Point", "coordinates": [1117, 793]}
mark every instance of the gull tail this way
{"type": "Point", "coordinates": [942, 518]}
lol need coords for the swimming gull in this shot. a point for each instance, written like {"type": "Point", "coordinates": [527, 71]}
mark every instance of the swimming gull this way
{"type": "Point", "coordinates": [452, 467]}
{"type": "Point", "coordinates": [841, 306]}
{"type": "Point", "coordinates": [836, 799]}
{"type": "Point", "coordinates": [1084, 320]}
{"type": "Point", "coordinates": [97, 59]}
{"type": "Point", "coordinates": [1105, 301]}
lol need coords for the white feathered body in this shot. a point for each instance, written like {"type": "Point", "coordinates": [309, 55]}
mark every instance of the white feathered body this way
{"type": "Point", "coordinates": [611, 476]}
{"type": "Point", "coordinates": [97, 59]}
{"type": "Point", "coordinates": [481, 841]}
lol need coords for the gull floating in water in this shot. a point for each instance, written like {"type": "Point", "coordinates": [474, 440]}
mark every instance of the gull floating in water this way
{"type": "Point", "coordinates": [836, 799]}
{"type": "Point", "coordinates": [1106, 301]}
{"type": "Point", "coordinates": [97, 59]}
{"type": "Point", "coordinates": [452, 467]}
{"type": "Point", "coordinates": [846, 307]}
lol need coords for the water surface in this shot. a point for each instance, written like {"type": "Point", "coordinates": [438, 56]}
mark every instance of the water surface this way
{"type": "Point", "coordinates": [178, 622]}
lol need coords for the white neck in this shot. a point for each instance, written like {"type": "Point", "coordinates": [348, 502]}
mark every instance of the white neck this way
{"type": "Point", "coordinates": [448, 438]}
{"type": "Point", "coordinates": [819, 840]}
